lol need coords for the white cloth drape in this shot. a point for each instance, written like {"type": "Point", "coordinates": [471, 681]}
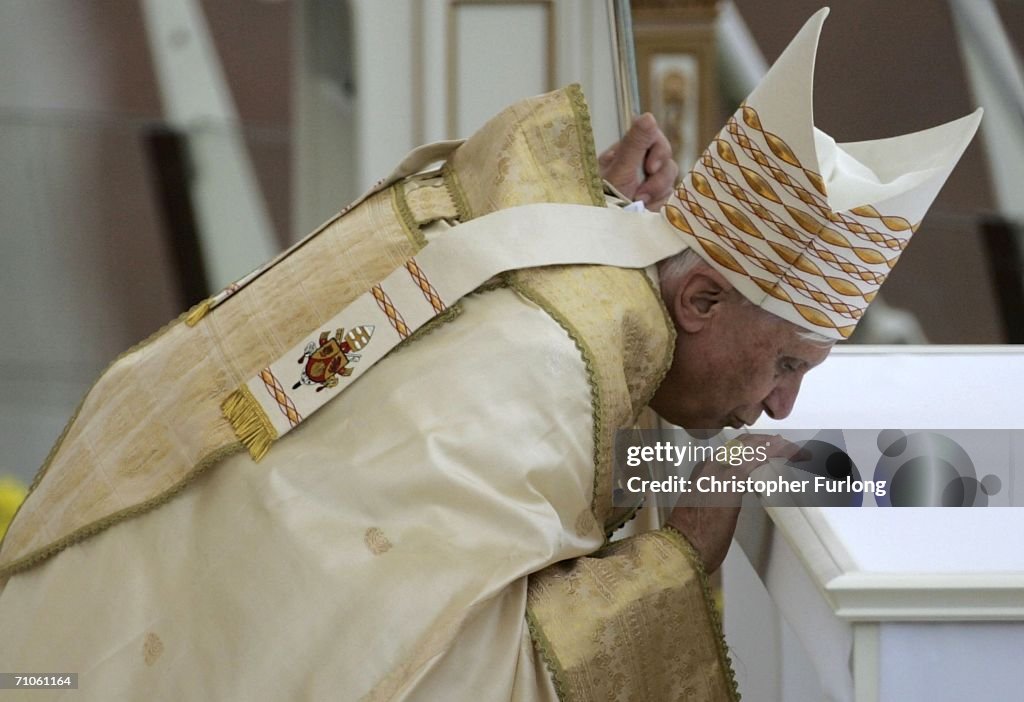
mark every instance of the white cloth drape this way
{"type": "Point", "coordinates": [379, 551]}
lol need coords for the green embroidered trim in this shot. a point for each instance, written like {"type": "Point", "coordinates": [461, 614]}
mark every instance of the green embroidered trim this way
{"type": "Point", "coordinates": [602, 453]}
{"type": "Point", "coordinates": [451, 182]}
{"type": "Point", "coordinates": [434, 323]}
{"type": "Point", "coordinates": [99, 525]}
{"type": "Point", "coordinates": [67, 427]}
{"type": "Point", "coordinates": [683, 544]}
{"type": "Point", "coordinates": [215, 456]}
{"type": "Point", "coordinates": [540, 641]}
{"type": "Point", "coordinates": [588, 152]}
{"type": "Point", "coordinates": [415, 235]}
{"type": "Point", "coordinates": [666, 364]}
{"type": "Point", "coordinates": [547, 654]}
{"type": "Point", "coordinates": [405, 216]}
{"type": "Point", "coordinates": [613, 527]}
{"type": "Point", "coordinates": [496, 284]}
{"type": "Point", "coordinates": [412, 230]}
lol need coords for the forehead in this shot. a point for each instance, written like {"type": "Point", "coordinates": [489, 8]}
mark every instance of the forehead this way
{"type": "Point", "coordinates": [787, 339]}
{"type": "Point", "coordinates": [809, 350]}
{"type": "Point", "coordinates": [815, 353]}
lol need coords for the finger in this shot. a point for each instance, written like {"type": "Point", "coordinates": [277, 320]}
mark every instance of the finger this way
{"type": "Point", "coordinates": [658, 187]}
{"type": "Point", "coordinates": [747, 453]}
{"type": "Point", "coordinates": [659, 153]}
{"type": "Point", "coordinates": [755, 439]}
{"type": "Point", "coordinates": [660, 167]}
{"type": "Point", "coordinates": [801, 456]}
{"type": "Point", "coordinates": [726, 471]}
{"type": "Point", "coordinates": [625, 164]}
{"type": "Point", "coordinates": [776, 446]}
{"type": "Point", "coordinates": [606, 157]}
{"type": "Point", "coordinates": [638, 139]}
{"type": "Point", "coordinates": [781, 448]}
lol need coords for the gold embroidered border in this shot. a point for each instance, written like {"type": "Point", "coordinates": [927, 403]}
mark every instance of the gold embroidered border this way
{"type": "Point", "coordinates": [641, 363]}
{"type": "Point", "coordinates": [208, 460]}
{"type": "Point", "coordinates": [588, 152]}
{"type": "Point", "coordinates": [683, 544]}
{"type": "Point", "coordinates": [110, 520]}
{"type": "Point", "coordinates": [579, 116]}
{"type": "Point", "coordinates": [602, 452]}
{"type": "Point", "coordinates": [451, 181]}
{"type": "Point", "coordinates": [670, 349]}
{"type": "Point", "coordinates": [559, 678]}
{"type": "Point", "coordinates": [634, 621]}
{"type": "Point", "coordinates": [449, 315]}
{"type": "Point", "coordinates": [14, 566]}
{"type": "Point", "coordinates": [405, 216]}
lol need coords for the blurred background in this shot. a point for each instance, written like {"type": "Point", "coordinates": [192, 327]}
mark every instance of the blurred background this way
{"type": "Point", "coordinates": [155, 150]}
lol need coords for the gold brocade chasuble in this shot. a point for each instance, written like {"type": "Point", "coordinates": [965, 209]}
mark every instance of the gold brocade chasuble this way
{"type": "Point", "coordinates": [631, 620]}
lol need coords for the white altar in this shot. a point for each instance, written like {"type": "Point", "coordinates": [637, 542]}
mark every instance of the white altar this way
{"type": "Point", "coordinates": [877, 604]}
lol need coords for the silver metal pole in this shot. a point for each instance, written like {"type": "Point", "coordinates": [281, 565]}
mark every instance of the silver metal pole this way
{"type": "Point", "coordinates": [620, 22]}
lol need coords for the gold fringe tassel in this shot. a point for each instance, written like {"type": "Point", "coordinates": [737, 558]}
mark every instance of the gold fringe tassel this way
{"type": "Point", "coordinates": [198, 312]}
{"type": "Point", "coordinates": [251, 425]}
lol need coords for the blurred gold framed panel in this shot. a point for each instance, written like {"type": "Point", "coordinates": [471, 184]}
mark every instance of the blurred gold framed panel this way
{"type": "Point", "coordinates": [675, 59]}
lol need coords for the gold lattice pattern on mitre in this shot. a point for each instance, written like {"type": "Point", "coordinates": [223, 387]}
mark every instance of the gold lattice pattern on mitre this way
{"type": "Point", "coordinates": [756, 210]}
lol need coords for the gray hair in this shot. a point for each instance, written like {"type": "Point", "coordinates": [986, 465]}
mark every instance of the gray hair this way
{"type": "Point", "coordinates": [677, 267]}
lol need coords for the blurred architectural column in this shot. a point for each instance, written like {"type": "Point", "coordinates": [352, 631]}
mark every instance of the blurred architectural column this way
{"type": "Point", "coordinates": [997, 83]}
{"type": "Point", "coordinates": [376, 79]}
{"type": "Point", "coordinates": [741, 64]}
{"type": "Point", "coordinates": [83, 271]}
{"type": "Point", "coordinates": [996, 79]}
{"type": "Point", "coordinates": [234, 228]}
{"type": "Point", "coordinates": [324, 123]}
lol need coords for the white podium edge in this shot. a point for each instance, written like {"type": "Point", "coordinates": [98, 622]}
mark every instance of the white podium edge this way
{"type": "Point", "coordinates": [863, 596]}
{"type": "Point", "coordinates": [866, 599]}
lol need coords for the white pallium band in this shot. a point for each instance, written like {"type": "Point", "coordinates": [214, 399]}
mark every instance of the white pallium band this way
{"type": "Point", "coordinates": [447, 269]}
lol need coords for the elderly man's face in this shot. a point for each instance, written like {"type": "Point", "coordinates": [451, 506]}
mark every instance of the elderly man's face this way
{"type": "Point", "coordinates": [732, 362]}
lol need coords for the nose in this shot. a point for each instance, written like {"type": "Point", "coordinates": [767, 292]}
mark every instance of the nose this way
{"type": "Point", "coordinates": [780, 401]}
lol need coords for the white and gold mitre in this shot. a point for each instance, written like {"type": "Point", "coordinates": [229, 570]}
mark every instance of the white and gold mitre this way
{"type": "Point", "coordinates": [806, 228]}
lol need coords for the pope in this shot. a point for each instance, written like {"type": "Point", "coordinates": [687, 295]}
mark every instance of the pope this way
{"type": "Point", "coordinates": [436, 523]}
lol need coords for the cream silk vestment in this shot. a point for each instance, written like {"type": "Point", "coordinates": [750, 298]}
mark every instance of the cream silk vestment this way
{"type": "Point", "coordinates": [437, 531]}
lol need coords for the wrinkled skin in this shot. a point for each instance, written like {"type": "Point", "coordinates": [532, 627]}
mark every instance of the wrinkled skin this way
{"type": "Point", "coordinates": [640, 165]}
{"type": "Point", "coordinates": [732, 360]}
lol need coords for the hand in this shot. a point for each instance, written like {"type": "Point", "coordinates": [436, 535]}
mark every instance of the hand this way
{"type": "Point", "coordinates": [641, 165]}
{"type": "Point", "coordinates": [708, 520]}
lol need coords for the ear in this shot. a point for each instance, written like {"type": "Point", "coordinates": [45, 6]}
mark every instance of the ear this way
{"type": "Point", "coordinates": [698, 297]}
